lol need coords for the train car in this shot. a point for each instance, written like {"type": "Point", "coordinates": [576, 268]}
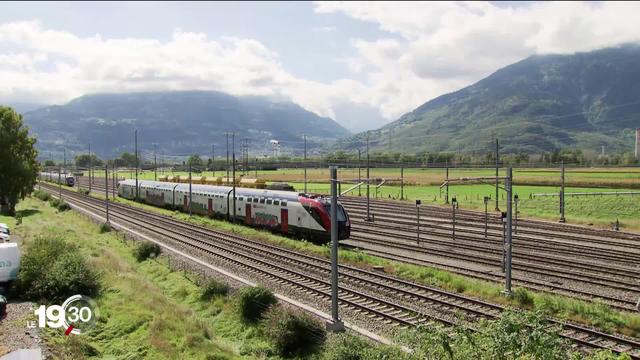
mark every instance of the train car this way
{"type": "Point", "coordinates": [65, 178]}
{"type": "Point", "coordinates": [282, 211]}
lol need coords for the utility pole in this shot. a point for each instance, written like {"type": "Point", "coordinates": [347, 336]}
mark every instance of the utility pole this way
{"type": "Point", "coordinates": [227, 135]}
{"type": "Point", "coordinates": [114, 178]}
{"type": "Point", "coordinates": [368, 181]}
{"type": "Point", "coordinates": [497, 173]}
{"type": "Point", "coordinates": [401, 183]}
{"type": "Point", "coordinates": [233, 142]}
{"type": "Point", "coordinates": [64, 161]}
{"type": "Point", "coordinates": [509, 243]}
{"type": "Point", "coordinates": [418, 202]}
{"type": "Point", "coordinates": [136, 150]}
{"type": "Point", "coordinates": [190, 189]}
{"type": "Point", "coordinates": [486, 215]}
{"type": "Point", "coordinates": [446, 196]}
{"type": "Point", "coordinates": [213, 157]}
{"type": "Point", "coordinates": [59, 182]}
{"type": "Point", "coordinates": [359, 176]}
{"type": "Point", "coordinates": [305, 163]}
{"type": "Point", "coordinates": [562, 219]}
{"type": "Point", "coordinates": [454, 203]}
{"type": "Point", "coordinates": [90, 166]}
{"type": "Point", "coordinates": [106, 190]}
{"type": "Point", "coordinates": [336, 324]}
{"type": "Point", "coordinates": [155, 164]}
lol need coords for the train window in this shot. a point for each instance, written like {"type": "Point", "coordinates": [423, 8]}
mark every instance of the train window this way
{"type": "Point", "coordinates": [284, 203]}
{"type": "Point", "coordinates": [241, 198]}
{"type": "Point", "coordinates": [248, 199]}
{"type": "Point", "coordinates": [262, 201]}
{"type": "Point", "coordinates": [269, 202]}
{"type": "Point", "coordinates": [276, 202]}
{"type": "Point", "coordinates": [255, 200]}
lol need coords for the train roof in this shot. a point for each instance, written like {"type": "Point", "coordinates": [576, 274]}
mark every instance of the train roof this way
{"type": "Point", "coordinates": [213, 189]}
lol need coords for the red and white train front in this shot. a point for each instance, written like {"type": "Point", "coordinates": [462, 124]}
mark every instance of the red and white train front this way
{"type": "Point", "coordinates": [320, 211]}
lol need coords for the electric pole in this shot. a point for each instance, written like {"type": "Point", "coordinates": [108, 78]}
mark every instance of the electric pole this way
{"type": "Point", "coordinates": [368, 181]}
{"type": "Point", "coordinates": [106, 190]}
{"type": "Point", "coordinates": [562, 219]}
{"type": "Point", "coordinates": [305, 163]}
{"type": "Point", "coordinates": [90, 166]}
{"type": "Point", "coordinates": [136, 150]}
{"type": "Point", "coordinates": [213, 168]}
{"type": "Point", "coordinates": [359, 177]}
{"type": "Point", "coordinates": [509, 243]}
{"type": "Point", "coordinates": [155, 164]}
{"type": "Point", "coordinates": [497, 172]}
{"type": "Point", "coordinates": [227, 135]}
{"type": "Point", "coordinates": [233, 144]}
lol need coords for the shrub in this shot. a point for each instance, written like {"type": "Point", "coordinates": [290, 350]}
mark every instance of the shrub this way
{"type": "Point", "coordinates": [105, 228]}
{"type": "Point", "coordinates": [42, 195]}
{"type": "Point", "coordinates": [145, 250]}
{"type": "Point", "coordinates": [293, 333]}
{"type": "Point", "coordinates": [54, 202]}
{"type": "Point", "coordinates": [63, 206]}
{"type": "Point", "coordinates": [253, 302]}
{"type": "Point", "coordinates": [51, 270]}
{"type": "Point", "coordinates": [213, 289]}
{"type": "Point", "coordinates": [349, 347]}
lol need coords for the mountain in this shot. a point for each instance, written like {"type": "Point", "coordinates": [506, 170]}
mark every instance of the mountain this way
{"type": "Point", "coordinates": [545, 102]}
{"type": "Point", "coordinates": [180, 123]}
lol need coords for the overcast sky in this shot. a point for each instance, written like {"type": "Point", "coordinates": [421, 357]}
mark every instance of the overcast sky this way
{"type": "Point", "coordinates": [362, 64]}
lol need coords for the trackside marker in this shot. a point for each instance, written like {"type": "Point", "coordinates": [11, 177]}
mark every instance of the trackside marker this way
{"type": "Point", "coordinates": [69, 330]}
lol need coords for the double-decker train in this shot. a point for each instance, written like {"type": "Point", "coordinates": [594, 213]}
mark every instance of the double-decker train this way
{"type": "Point", "coordinates": [64, 178]}
{"type": "Point", "coordinates": [282, 211]}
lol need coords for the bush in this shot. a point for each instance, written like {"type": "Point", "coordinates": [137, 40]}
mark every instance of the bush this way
{"type": "Point", "coordinates": [63, 206]}
{"type": "Point", "coordinates": [145, 250]}
{"type": "Point", "coordinates": [349, 347]}
{"type": "Point", "coordinates": [42, 195]}
{"type": "Point", "coordinates": [51, 270]}
{"type": "Point", "coordinates": [105, 228]}
{"type": "Point", "coordinates": [54, 202]}
{"type": "Point", "coordinates": [293, 333]}
{"type": "Point", "coordinates": [213, 289]}
{"type": "Point", "coordinates": [253, 302]}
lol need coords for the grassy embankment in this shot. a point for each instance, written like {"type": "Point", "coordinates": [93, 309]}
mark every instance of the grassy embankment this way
{"type": "Point", "coordinates": [595, 314]}
{"type": "Point", "coordinates": [147, 310]}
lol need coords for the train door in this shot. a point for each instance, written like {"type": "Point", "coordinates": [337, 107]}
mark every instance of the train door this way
{"type": "Point", "coordinates": [284, 220]}
{"type": "Point", "coordinates": [247, 214]}
{"type": "Point", "coordinates": [210, 208]}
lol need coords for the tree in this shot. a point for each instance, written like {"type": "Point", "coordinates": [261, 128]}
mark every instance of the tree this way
{"type": "Point", "coordinates": [49, 163]}
{"type": "Point", "coordinates": [18, 165]}
{"type": "Point", "coordinates": [84, 161]}
{"type": "Point", "coordinates": [194, 160]}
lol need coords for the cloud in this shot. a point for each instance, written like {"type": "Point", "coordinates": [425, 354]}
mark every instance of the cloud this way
{"type": "Point", "coordinates": [426, 49]}
{"type": "Point", "coordinates": [55, 66]}
{"type": "Point", "coordinates": [438, 47]}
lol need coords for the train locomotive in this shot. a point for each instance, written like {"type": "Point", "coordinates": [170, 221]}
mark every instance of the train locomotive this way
{"type": "Point", "coordinates": [65, 178]}
{"type": "Point", "coordinates": [282, 211]}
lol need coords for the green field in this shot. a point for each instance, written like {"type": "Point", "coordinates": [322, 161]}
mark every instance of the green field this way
{"type": "Point", "coordinates": [424, 184]}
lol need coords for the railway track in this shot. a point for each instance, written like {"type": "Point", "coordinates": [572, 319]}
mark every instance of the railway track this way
{"type": "Point", "coordinates": [379, 296]}
{"type": "Point", "coordinates": [559, 260]}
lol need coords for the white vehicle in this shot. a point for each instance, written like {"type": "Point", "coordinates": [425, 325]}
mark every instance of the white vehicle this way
{"type": "Point", "coordinates": [4, 237]}
{"type": "Point", "coordinates": [4, 226]}
{"type": "Point", "coordinates": [9, 262]}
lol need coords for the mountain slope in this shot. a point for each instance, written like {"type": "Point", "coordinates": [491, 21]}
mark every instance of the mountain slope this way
{"type": "Point", "coordinates": [585, 101]}
{"type": "Point", "coordinates": [179, 122]}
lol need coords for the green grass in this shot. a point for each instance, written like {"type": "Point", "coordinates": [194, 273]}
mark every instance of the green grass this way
{"type": "Point", "coordinates": [147, 310]}
{"type": "Point", "coordinates": [554, 305]}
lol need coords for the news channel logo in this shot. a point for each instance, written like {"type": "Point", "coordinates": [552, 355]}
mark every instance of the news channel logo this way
{"type": "Point", "coordinates": [77, 315]}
